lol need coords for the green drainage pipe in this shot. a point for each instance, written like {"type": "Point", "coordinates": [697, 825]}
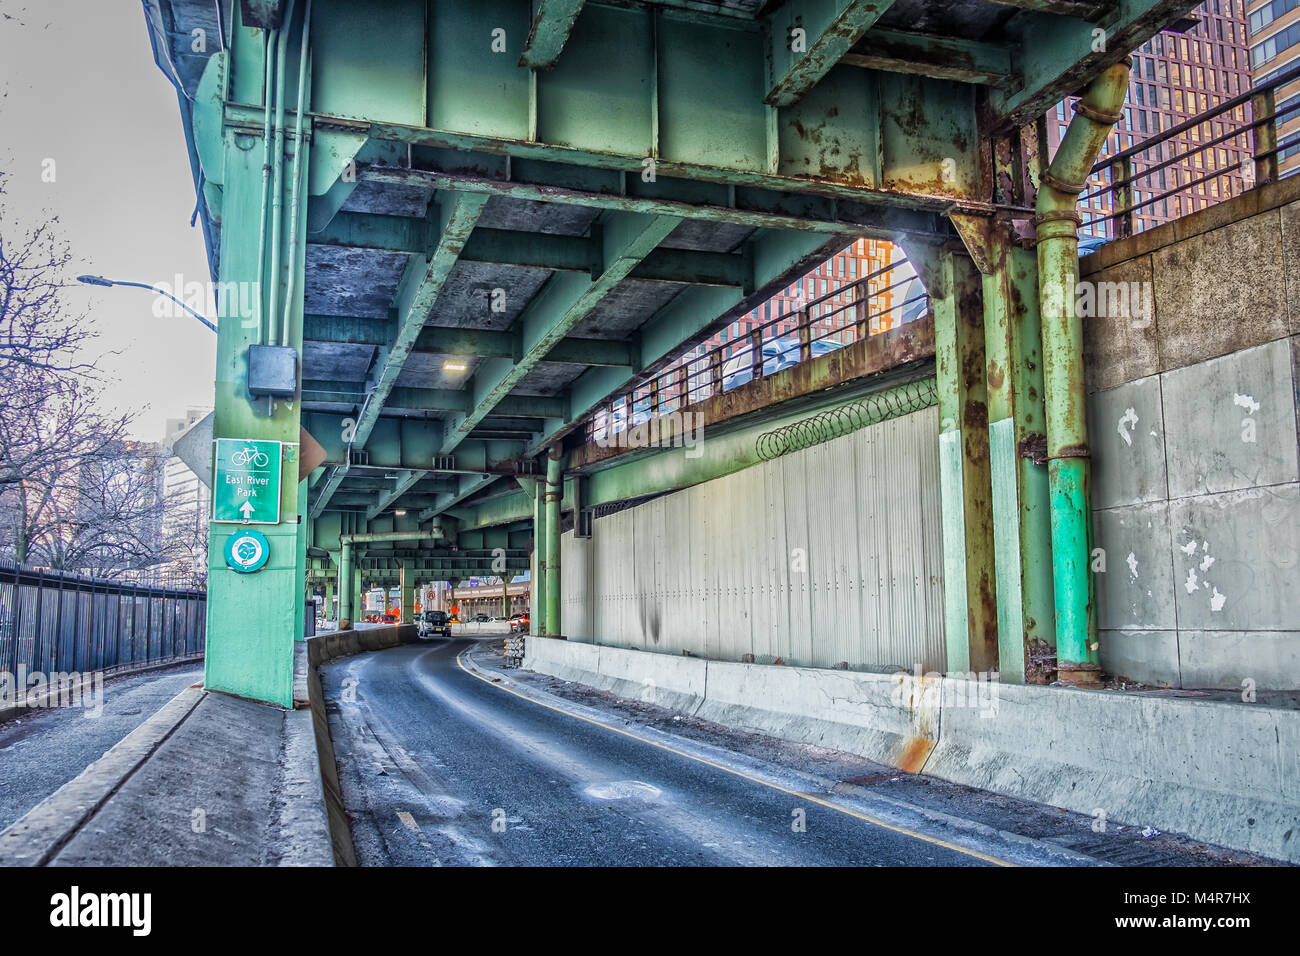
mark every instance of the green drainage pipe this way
{"type": "Point", "coordinates": [373, 536]}
{"type": "Point", "coordinates": [554, 492]}
{"type": "Point", "coordinates": [268, 98]}
{"type": "Point", "coordinates": [277, 180]}
{"type": "Point", "coordinates": [295, 202]}
{"type": "Point", "coordinates": [1069, 463]}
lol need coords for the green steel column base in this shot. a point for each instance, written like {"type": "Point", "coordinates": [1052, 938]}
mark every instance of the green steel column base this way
{"type": "Point", "coordinates": [1079, 675]}
{"type": "Point", "coordinates": [1076, 641]}
{"type": "Point", "coordinates": [251, 619]}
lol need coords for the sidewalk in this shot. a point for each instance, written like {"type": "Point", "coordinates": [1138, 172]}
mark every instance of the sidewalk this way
{"type": "Point", "coordinates": [209, 780]}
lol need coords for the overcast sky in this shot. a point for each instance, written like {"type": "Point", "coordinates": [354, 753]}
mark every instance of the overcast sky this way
{"type": "Point", "coordinates": [78, 85]}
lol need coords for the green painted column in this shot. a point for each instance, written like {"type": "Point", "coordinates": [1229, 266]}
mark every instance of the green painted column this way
{"type": "Point", "coordinates": [554, 492]}
{"type": "Point", "coordinates": [254, 619]}
{"type": "Point", "coordinates": [300, 624]}
{"type": "Point", "coordinates": [1022, 527]}
{"type": "Point", "coordinates": [970, 603]}
{"type": "Point", "coordinates": [329, 599]}
{"type": "Point", "coordinates": [358, 588]}
{"type": "Point", "coordinates": [408, 593]}
{"type": "Point", "coordinates": [345, 588]}
{"type": "Point", "coordinates": [537, 576]}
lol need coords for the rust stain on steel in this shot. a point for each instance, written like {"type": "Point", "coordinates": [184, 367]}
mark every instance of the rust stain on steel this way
{"type": "Point", "coordinates": [914, 754]}
{"type": "Point", "coordinates": [1073, 451]}
{"type": "Point", "coordinates": [1033, 447]}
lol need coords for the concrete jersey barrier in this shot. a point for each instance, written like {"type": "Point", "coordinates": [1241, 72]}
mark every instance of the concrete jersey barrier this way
{"type": "Point", "coordinates": [1222, 772]}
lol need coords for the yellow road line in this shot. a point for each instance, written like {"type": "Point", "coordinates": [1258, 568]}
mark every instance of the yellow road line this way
{"type": "Point", "coordinates": [740, 773]}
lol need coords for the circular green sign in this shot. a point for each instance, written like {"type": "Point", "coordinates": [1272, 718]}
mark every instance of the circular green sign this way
{"type": "Point", "coordinates": [247, 551]}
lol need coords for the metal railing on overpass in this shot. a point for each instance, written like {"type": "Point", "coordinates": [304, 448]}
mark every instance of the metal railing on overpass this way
{"type": "Point", "coordinates": [55, 622]}
{"type": "Point", "coordinates": [1138, 178]}
{"type": "Point", "coordinates": [850, 311]}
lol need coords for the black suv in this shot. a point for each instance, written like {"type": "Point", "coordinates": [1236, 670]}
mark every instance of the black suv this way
{"type": "Point", "coordinates": [435, 623]}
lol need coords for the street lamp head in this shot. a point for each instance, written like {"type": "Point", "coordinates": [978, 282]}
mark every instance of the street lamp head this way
{"type": "Point", "coordinates": [95, 280]}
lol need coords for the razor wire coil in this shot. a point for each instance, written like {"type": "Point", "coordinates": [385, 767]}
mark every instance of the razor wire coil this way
{"type": "Point", "coordinates": [849, 417]}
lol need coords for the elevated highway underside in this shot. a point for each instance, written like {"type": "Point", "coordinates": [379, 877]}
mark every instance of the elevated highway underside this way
{"type": "Point", "coordinates": [469, 225]}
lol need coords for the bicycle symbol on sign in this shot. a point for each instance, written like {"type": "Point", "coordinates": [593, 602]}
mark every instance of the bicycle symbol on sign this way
{"type": "Point", "coordinates": [250, 456]}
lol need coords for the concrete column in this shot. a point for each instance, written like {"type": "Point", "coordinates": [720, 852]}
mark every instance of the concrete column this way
{"type": "Point", "coordinates": [345, 588]}
{"type": "Point", "coordinates": [408, 596]}
{"type": "Point", "coordinates": [505, 595]}
{"type": "Point", "coordinates": [358, 587]}
{"type": "Point", "coordinates": [537, 589]}
{"type": "Point", "coordinates": [554, 492]}
{"type": "Point", "coordinates": [251, 618]}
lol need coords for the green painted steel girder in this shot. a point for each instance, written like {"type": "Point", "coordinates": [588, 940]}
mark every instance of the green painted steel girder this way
{"type": "Point", "coordinates": [417, 291]}
{"type": "Point", "coordinates": [386, 498]}
{"type": "Point", "coordinates": [626, 239]}
{"type": "Point", "coordinates": [809, 37]}
{"type": "Point", "coordinates": [436, 400]}
{"type": "Point", "coordinates": [552, 23]}
{"type": "Point", "coordinates": [1059, 55]}
{"type": "Point", "coordinates": [404, 443]}
{"type": "Point", "coordinates": [483, 343]}
{"type": "Point", "coordinates": [534, 250]}
{"type": "Point", "coordinates": [761, 208]}
{"type": "Point", "coordinates": [938, 57]}
{"type": "Point", "coordinates": [689, 317]}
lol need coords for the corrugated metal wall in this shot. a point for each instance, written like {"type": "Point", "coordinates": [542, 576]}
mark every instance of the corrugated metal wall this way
{"type": "Point", "coordinates": [824, 556]}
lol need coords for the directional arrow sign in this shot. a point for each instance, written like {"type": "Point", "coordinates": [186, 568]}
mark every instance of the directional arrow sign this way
{"type": "Point", "coordinates": [246, 481]}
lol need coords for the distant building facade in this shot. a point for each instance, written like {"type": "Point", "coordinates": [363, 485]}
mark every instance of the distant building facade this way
{"type": "Point", "coordinates": [1274, 36]}
{"type": "Point", "coordinates": [1178, 74]}
{"type": "Point", "coordinates": [187, 502]}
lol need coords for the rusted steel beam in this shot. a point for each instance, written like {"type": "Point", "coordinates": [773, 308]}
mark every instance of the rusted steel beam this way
{"type": "Point", "coordinates": [871, 356]}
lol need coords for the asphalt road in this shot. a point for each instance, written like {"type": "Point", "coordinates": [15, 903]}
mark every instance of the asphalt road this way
{"type": "Point", "coordinates": [443, 767]}
{"type": "Point", "coordinates": [44, 749]}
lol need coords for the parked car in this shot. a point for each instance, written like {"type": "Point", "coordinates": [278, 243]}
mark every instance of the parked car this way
{"type": "Point", "coordinates": [435, 623]}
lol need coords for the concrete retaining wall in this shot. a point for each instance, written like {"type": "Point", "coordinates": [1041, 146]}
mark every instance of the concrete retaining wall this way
{"type": "Point", "coordinates": [1226, 773]}
{"type": "Point", "coordinates": [320, 650]}
{"type": "Point", "coordinates": [1193, 421]}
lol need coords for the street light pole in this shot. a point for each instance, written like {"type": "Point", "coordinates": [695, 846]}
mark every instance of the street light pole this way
{"type": "Point", "coordinates": [108, 283]}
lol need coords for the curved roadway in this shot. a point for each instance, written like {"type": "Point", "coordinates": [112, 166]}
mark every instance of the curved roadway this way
{"type": "Point", "coordinates": [441, 764]}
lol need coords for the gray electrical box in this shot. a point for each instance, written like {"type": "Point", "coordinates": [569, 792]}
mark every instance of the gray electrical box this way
{"type": "Point", "coordinates": [272, 371]}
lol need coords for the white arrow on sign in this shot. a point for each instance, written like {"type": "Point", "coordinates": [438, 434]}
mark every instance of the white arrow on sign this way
{"type": "Point", "coordinates": [247, 509]}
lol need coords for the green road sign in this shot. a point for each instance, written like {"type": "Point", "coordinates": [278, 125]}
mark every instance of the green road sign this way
{"type": "Point", "coordinates": [246, 481]}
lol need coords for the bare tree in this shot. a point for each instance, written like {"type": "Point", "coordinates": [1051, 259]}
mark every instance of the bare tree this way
{"type": "Point", "coordinates": [37, 330]}
{"type": "Point", "coordinates": [103, 516]}
{"type": "Point", "coordinates": [66, 495]}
